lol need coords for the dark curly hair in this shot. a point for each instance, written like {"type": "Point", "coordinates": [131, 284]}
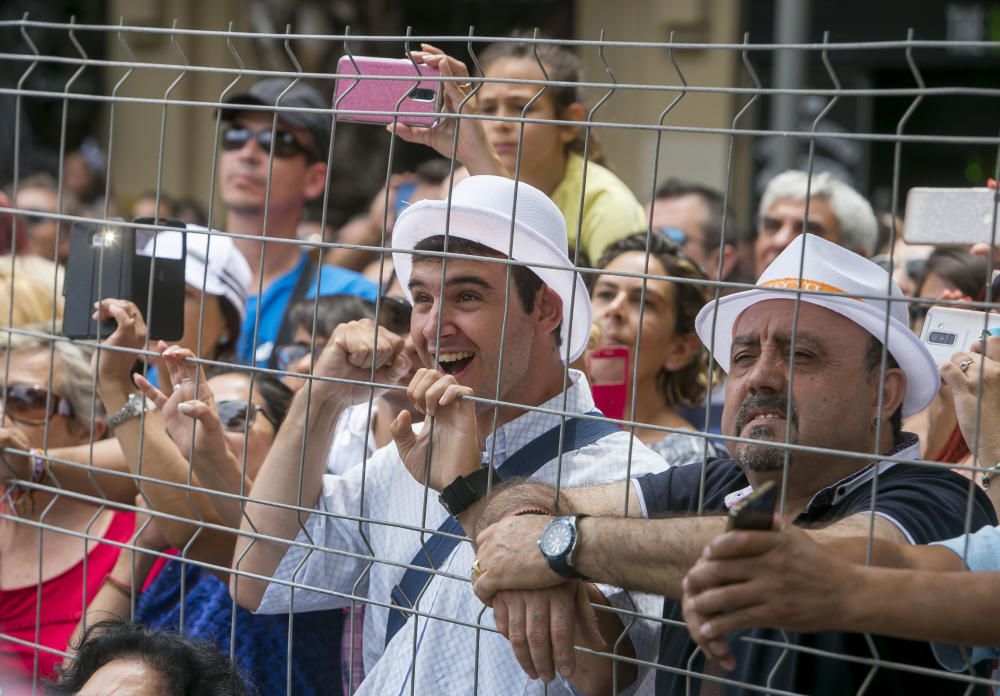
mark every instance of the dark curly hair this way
{"type": "Point", "coordinates": [686, 387]}
{"type": "Point", "coordinates": [187, 667]}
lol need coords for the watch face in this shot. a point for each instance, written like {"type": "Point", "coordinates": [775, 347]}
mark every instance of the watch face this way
{"type": "Point", "coordinates": [557, 538]}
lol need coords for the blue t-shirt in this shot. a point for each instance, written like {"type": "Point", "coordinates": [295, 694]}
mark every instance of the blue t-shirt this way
{"type": "Point", "coordinates": [929, 504]}
{"type": "Point", "coordinates": [983, 557]}
{"type": "Point", "coordinates": [261, 648]}
{"type": "Point", "coordinates": [334, 280]}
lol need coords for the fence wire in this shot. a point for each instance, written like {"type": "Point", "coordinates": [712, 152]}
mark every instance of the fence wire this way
{"type": "Point", "coordinates": [80, 481]}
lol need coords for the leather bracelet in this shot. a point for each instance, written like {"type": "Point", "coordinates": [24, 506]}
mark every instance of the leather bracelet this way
{"type": "Point", "coordinates": [531, 510]}
{"type": "Point", "coordinates": [119, 585]}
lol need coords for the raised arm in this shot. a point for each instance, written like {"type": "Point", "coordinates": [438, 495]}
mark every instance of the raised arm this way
{"type": "Point", "coordinates": [213, 464]}
{"type": "Point", "coordinates": [473, 149]}
{"type": "Point", "coordinates": [148, 449]}
{"type": "Point", "coordinates": [292, 473]}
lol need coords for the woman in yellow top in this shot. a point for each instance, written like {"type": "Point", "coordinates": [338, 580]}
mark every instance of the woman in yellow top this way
{"type": "Point", "coordinates": [550, 154]}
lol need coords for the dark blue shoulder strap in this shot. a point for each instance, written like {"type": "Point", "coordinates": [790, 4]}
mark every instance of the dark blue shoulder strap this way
{"type": "Point", "coordinates": [576, 434]}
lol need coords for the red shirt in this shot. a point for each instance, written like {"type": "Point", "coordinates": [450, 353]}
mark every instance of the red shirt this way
{"type": "Point", "coordinates": [62, 606]}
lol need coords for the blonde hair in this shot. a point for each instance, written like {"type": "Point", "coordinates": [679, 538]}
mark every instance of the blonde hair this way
{"type": "Point", "coordinates": [32, 293]}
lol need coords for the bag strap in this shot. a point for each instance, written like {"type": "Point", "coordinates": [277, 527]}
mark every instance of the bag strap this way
{"type": "Point", "coordinates": [302, 284]}
{"type": "Point", "coordinates": [576, 434]}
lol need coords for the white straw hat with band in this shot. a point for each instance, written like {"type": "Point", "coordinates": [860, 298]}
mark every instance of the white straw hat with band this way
{"type": "Point", "coordinates": [482, 210]}
{"type": "Point", "coordinates": [229, 274]}
{"type": "Point", "coordinates": [832, 277]}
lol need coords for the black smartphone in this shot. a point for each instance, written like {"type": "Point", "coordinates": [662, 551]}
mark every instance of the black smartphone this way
{"type": "Point", "coordinates": [755, 512]}
{"type": "Point", "coordinates": [114, 260]}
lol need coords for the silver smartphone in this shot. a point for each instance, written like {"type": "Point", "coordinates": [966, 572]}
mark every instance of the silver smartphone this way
{"type": "Point", "coordinates": [948, 330]}
{"type": "Point", "coordinates": [951, 216]}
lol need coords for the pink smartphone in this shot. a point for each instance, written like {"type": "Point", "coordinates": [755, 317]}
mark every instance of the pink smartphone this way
{"type": "Point", "coordinates": [608, 379]}
{"type": "Point", "coordinates": [416, 101]}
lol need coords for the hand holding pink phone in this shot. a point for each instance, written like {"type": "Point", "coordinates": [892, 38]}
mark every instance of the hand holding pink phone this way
{"type": "Point", "coordinates": [378, 90]}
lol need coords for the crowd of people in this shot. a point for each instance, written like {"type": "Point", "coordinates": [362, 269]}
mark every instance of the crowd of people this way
{"type": "Point", "coordinates": [487, 440]}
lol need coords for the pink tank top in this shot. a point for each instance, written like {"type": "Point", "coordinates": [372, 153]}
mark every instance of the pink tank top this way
{"type": "Point", "coordinates": [62, 606]}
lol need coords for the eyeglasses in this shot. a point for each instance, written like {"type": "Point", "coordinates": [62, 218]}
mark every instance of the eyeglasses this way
{"type": "Point", "coordinates": [30, 404]}
{"type": "Point", "coordinates": [293, 352]}
{"type": "Point", "coordinates": [237, 415]}
{"type": "Point", "coordinates": [285, 144]}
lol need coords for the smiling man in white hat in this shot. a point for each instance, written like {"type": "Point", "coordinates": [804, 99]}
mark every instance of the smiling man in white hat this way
{"type": "Point", "coordinates": [478, 333]}
{"type": "Point", "coordinates": [815, 361]}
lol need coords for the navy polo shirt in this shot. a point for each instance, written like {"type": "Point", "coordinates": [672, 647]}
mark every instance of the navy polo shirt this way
{"type": "Point", "coordinates": [929, 504]}
{"type": "Point", "coordinates": [274, 302]}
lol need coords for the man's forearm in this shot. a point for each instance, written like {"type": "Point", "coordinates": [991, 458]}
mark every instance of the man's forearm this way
{"type": "Point", "coordinates": [645, 555]}
{"type": "Point", "coordinates": [606, 500]}
{"type": "Point", "coordinates": [279, 481]}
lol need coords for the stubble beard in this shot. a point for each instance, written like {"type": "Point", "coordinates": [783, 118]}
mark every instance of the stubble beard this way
{"type": "Point", "coordinates": [761, 457]}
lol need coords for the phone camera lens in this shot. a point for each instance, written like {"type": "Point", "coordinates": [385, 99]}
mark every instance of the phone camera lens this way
{"type": "Point", "coordinates": [941, 338]}
{"type": "Point", "coordinates": [422, 94]}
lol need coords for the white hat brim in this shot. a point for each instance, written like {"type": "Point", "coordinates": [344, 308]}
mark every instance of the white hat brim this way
{"type": "Point", "coordinates": [431, 218]}
{"type": "Point", "coordinates": [922, 378]}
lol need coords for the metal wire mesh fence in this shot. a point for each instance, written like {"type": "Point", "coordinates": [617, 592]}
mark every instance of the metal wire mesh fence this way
{"type": "Point", "coordinates": [301, 507]}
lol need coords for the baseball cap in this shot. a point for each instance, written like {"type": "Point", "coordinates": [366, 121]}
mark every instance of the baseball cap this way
{"type": "Point", "coordinates": [228, 275]}
{"type": "Point", "coordinates": [484, 209]}
{"type": "Point", "coordinates": [276, 92]}
{"type": "Point", "coordinates": [841, 281]}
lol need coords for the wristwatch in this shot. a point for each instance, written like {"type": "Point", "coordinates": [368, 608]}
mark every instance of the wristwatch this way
{"type": "Point", "coordinates": [466, 490]}
{"type": "Point", "coordinates": [558, 542]}
{"type": "Point", "coordinates": [133, 407]}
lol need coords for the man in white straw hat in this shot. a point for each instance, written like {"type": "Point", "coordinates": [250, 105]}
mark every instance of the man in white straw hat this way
{"type": "Point", "coordinates": [812, 330]}
{"type": "Point", "coordinates": [477, 333]}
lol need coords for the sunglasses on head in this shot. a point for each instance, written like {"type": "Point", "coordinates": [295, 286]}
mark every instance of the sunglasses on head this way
{"type": "Point", "coordinates": [285, 144]}
{"type": "Point", "coordinates": [237, 415]}
{"type": "Point", "coordinates": [31, 404]}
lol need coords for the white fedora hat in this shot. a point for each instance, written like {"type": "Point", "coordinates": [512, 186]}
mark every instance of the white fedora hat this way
{"type": "Point", "coordinates": [484, 209]}
{"type": "Point", "coordinates": [832, 277]}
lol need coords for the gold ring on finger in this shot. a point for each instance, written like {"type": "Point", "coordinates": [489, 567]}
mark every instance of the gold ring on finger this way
{"type": "Point", "coordinates": [476, 570]}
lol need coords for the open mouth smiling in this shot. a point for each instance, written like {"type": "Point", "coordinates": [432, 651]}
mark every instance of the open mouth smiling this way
{"type": "Point", "coordinates": [455, 363]}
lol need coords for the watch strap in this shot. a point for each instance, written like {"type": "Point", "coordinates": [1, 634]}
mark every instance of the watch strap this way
{"type": "Point", "coordinates": [133, 407]}
{"type": "Point", "coordinates": [466, 490]}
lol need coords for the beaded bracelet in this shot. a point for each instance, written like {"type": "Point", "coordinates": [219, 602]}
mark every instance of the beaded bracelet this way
{"type": "Point", "coordinates": [40, 466]}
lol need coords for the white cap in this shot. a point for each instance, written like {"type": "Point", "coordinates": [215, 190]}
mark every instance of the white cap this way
{"type": "Point", "coordinates": [483, 209]}
{"type": "Point", "coordinates": [228, 274]}
{"type": "Point", "coordinates": [832, 277]}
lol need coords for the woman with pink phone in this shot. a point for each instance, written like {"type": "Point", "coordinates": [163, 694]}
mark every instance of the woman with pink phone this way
{"type": "Point", "coordinates": [546, 155]}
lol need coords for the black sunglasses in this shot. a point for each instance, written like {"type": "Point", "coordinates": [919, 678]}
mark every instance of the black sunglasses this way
{"type": "Point", "coordinates": [237, 415]}
{"type": "Point", "coordinates": [30, 404]}
{"type": "Point", "coordinates": [285, 144]}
